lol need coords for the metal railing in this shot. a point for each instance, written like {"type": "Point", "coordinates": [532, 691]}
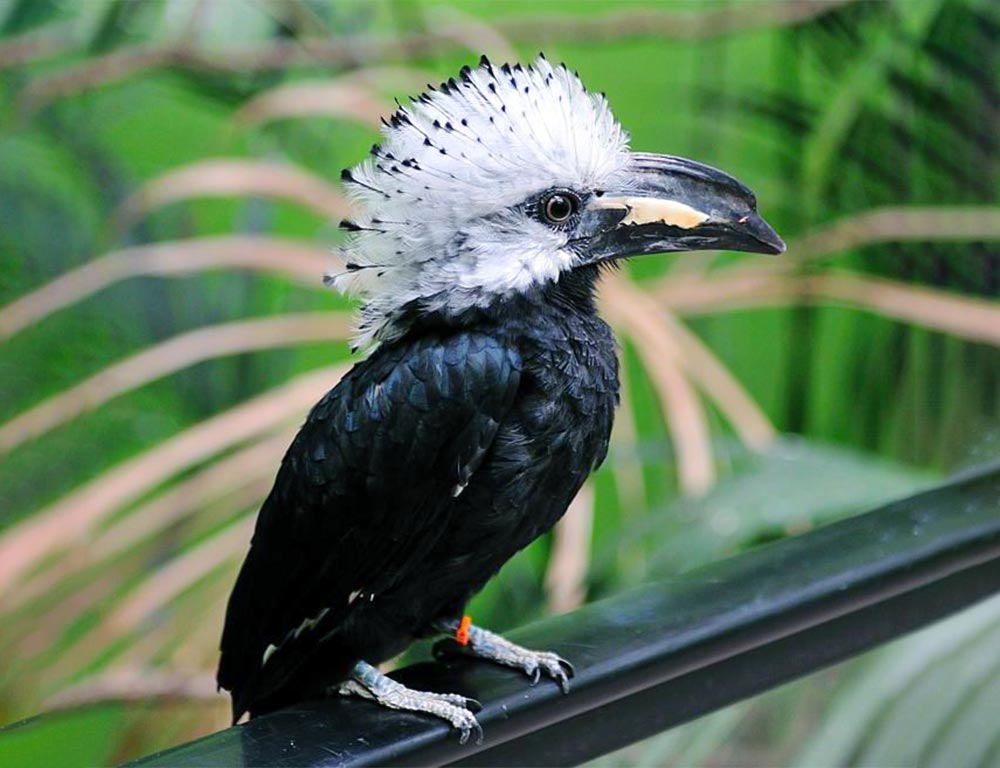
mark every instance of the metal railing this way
{"type": "Point", "coordinates": [665, 653]}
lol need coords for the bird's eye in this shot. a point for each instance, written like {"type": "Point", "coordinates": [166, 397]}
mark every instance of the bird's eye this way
{"type": "Point", "coordinates": [559, 207]}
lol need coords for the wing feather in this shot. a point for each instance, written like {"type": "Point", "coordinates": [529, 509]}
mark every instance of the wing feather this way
{"type": "Point", "coordinates": [362, 491]}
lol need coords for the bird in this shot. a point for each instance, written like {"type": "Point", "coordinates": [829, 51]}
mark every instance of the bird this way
{"type": "Point", "coordinates": [487, 389]}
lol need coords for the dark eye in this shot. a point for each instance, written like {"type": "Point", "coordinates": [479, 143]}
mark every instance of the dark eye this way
{"type": "Point", "coordinates": [559, 207]}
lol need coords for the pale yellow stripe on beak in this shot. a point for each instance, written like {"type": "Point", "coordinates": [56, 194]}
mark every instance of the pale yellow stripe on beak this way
{"type": "Point", "coordinates": [654, 210]}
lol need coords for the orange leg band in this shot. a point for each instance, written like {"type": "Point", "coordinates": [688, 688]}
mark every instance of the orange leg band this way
{"type": "Point", "coordinates": [462, 633]}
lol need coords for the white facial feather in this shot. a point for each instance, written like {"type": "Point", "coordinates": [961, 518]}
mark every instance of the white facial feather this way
{"type": "Point", "coordinates": [436, 218]}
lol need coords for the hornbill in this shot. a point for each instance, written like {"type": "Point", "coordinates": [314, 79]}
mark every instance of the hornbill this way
{"type": "Point", "coordinates": [487, 397]}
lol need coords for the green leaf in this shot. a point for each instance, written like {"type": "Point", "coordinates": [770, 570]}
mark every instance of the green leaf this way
{"type": "Point", "coordinates": [83, 738]}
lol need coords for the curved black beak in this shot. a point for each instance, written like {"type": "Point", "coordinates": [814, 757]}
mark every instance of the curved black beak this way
{"type": "Point", "coordinates": [758, 233]}
{"type": "Point", "coordinates": [748, 233]}
{"type": "Point", "coordinates": [668, 203]}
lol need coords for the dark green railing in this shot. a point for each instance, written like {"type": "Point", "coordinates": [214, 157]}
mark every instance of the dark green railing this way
{"type": "Point", "coordinates": [665, 653]}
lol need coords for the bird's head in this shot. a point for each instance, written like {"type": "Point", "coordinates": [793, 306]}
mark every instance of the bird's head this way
{"type": "Point", "coordinates": [505, 179]}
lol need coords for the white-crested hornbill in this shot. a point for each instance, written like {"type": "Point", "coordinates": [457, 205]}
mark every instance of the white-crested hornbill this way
{"type": "Point", "coordinates": [486, 398]}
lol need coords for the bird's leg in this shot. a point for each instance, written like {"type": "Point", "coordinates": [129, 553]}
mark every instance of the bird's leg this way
{"type": "Point", "coordinates": [471, 640]}
{"type": "Point", "coordinates": [367, 682]}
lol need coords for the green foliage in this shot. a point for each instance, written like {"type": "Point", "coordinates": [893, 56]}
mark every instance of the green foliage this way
{"type": "Point", "coordinates": [85, 737]}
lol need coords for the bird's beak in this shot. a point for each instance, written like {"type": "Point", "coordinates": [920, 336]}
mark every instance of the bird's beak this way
{"type": "Point", "coordinates": [667, 203]}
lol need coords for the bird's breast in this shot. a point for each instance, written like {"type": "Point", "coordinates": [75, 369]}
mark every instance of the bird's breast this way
{"type": "Point", "coordinates": [566, 404]}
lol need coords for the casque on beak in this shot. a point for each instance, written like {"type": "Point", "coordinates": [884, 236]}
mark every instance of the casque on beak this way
{"type": "Point", "coordinates": [667, 203]}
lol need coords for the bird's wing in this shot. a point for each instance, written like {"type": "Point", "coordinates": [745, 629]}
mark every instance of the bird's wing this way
{"type": "Point", "coordinates": [361, 492]}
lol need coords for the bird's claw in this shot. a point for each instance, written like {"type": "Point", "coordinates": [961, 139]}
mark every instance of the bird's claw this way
{"type": "Point", "coordinates": [551, 664]}
{"type": "Point", "coordinates": [367, 682]}
{"type": "Point", "coordinates": [466, 732]}
{"type": "Point", "coordinates": [489, 645]}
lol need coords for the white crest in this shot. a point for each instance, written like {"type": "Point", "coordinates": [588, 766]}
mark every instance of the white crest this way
{"type": "Point", "coordinates": [437, 218]}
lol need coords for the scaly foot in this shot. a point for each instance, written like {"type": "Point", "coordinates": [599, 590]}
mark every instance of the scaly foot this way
{"type": "Point", "coordinates": [484, 644]}
{"type": "Point", "coordinates": [368, 683]}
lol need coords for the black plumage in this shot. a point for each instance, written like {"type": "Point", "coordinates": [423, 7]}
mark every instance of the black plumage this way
{"type": "Point", "coordinates": [413, 480]}
{"type": "Point", "coordinates": [467, 432]}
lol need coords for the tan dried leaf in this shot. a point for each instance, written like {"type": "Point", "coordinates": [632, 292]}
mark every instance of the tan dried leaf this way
{"type": "Point", "coordinates": [304, 262]}
{"type": "Point", "coordinates": [225, 177]}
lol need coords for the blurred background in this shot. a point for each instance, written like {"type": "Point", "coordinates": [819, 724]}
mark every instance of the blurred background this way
{"type": "Point", "coordinates": [169, 193]}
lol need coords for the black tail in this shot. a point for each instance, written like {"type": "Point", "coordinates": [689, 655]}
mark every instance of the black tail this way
{"type": "Point", "coordinates": [260, 613]}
